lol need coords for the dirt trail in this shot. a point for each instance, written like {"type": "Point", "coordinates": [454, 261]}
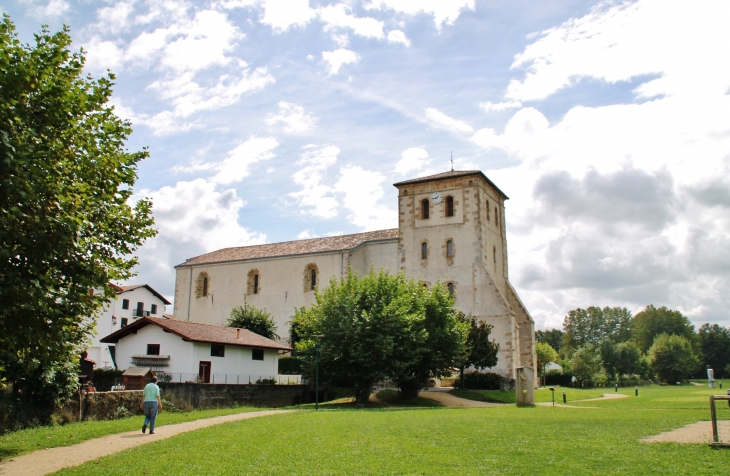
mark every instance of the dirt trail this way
{"type": "Point", "coordinates": [700, 432]}
{"type": "Point", "coordinates": [606, 396]}
{"type": "Point", "coordinates": [452, 401]}
{"type": "Point", "coordinates": [53, 459]}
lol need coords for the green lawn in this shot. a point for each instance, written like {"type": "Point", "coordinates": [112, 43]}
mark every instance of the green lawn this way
{"type": "Point", "coordinates": [503, 440]}
{"type": "Point", "coordinates": [31, 439]}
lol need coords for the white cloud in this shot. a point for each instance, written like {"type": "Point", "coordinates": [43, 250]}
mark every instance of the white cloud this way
{"type": "Point", "coordinates": [443, 11]}
{"type": "Point", "coordinates": [397, 36]}
{"type": "Point", "coordinates": [414, 158]}
{"type": "Point", "coordinates": [281, 16]}
{"type": "Point", "coordinates": [316, 198]}
{"type": "Point", "coordinates": [499, 106]}
{"type": "Point", "coordinates": [115, 18]}
{"type": "Point", "coordinates": [337, 58]}
{"type": "Point", "coordinates": [293, 118]}
{"type": "Point", "coordinates": [362, 190]}
{"type": "Point", "coordinates": [337, 16]}
{"type": "Point", "coordinates": [53, 8]}
{"type": "Point", "coordinates": [235, 167]}
{"type": "Point", "coordinates": [438, 119]}
{"type": "Point", "coordinates": [305, 235]}
{"type": "Point", "coordinates": [102, 55]}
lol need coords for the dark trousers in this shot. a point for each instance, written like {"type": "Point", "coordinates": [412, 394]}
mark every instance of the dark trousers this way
{"type": "Point", "coordinates": [150, 414]}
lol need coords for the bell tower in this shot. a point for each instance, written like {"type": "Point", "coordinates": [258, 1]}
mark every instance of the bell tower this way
{"type": "Point", "coordinates": [452, 230]}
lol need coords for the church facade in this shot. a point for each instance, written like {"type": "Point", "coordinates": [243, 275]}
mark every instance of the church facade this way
{"type": "Point", "coordinates": [451, 229]}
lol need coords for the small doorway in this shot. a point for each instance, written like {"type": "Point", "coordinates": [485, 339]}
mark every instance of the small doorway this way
{"type": "Point", "coordinates": [204, 371]}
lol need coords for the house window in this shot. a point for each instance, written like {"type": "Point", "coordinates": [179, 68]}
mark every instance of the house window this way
{"type": "Point", "coordinates": [125, 303]}
{"type": "Point", "coordinates": [124, 322]}
{"type": "Point", "coordinates": [217, 350]}
{"type": "Point", "coordinates": [153, 349]}
{"type": "Point", "coordinates": [153, 309]}
{"type": "Point", "coordinates": [424, 209]}
{"type": "Point", "coordinates": [256, 284]}
{"type": "Point", "coordinates": [205, 286]}
{"type": "Point", "coordinates": [424, 250]}
{"type": "Point", "coordinates": [449, 249]}
{"type": "Point", "coordinates": [449, 206]}
{"type": "Point", "coordinates": [450, 287]}
{"type": "Point", "coordinates": [139, 312]}
{"type": "Point", "coordinates": [257, 354]}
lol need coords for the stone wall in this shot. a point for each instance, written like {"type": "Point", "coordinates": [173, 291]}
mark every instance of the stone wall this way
{"type": "Point", "coordinates": [101, 406]}
{"type": "Point", "coordinates": [195, 396]}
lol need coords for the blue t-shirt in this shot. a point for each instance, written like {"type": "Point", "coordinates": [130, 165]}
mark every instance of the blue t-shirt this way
{"type": "Point", "coordinates": [151, 392]}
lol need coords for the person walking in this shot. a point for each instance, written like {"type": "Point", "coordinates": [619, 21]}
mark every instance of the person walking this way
{"type": "Point", "coordinates": [151, 404]}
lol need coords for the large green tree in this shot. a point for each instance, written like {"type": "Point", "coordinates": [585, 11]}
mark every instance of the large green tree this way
{"type": "Point", "coordinates": [380, 326]}
{"type": "Point", "coordinates": [254, 319]}
{"type": "Point", "coordinates": [594, 325]}
{"type": "Point", "coordinates": [545, 355]}
{"type": "Point", "coordinates": [67, 227]}
{"type": "Point", "coordinates": [554, 337]}
{"type": "Point", "coordinates": [652, 321]}
{"type": "Point", "coordinates": [672, 358]}
{"type": "Point", "coordinates": [715, 345]}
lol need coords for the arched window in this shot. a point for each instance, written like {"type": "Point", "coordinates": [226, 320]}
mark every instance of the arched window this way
{"type": "Point", "coordinates": [253, 284]}
{"type": "Point", "coordinates": [449, 206]}
{"type": "Point", "coordinates": [449, 249]}
{"type": "Point", "coordinates": [310, 277]}
{"type": "Point", "coordinates": [202, 285]}
{"type": "Point", "coordinates": [424, 250]}
{"type": "Point", "coordinates": [450, 287]}
{"type": "Point", "coordinates": [496, 217]}
{"type": "Point", "coordinates": [424, 209]}
{"type": "Point", "coordinates": [488, 210]}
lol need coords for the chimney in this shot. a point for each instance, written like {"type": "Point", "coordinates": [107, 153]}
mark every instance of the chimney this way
{"type": "Point", "coordinates": [238, 333]}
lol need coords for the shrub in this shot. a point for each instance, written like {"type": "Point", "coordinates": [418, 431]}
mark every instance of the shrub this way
{"type": "Point", "coordinates": [480, 381]}
{"type": "Point", "coordinates": [290, 365]}
{"type": "Point", "coordinates": [556, 377]}
{"type": "Point", "coordinates": [104, 379]}
{"type": "Point", "coordinates": [266, 381]}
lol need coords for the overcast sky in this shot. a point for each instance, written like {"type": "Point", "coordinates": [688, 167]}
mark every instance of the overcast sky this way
{"type": "Point", "coordinates": [607, 124]}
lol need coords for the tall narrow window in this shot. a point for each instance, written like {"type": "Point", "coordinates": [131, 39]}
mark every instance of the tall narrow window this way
{"type": "Point", "coordinates": [449, 249]}
{"type": "Point", "coordinates": [449, 206]}
{"type": "Point", "coordinates": [124, 322]}
{"type": "Point", "coordinates": [255, 283]}
{"type": "Point", "coordinates": [153, 309]}
{"type": "Point", "coordinates": [125, 303]}
{"type": "Point", "coordinates": [424, 209]}
{"type": "Point", "coordinates": [314, 278]}
{"type": "Point", "coordinates": [488, 210]}
{"type": "Point", "coordinates": [450, 287]}
{"type": "Point", "coordinates": [494, 253]}
{"type": "Point", "coordinates": [205, 286]}
{"type": "Point", "coordinates": [424, 250]}
{"type": "Point", "coordinates": [310, 277]}
{"type": "Point", "coordinates": [496, 217]}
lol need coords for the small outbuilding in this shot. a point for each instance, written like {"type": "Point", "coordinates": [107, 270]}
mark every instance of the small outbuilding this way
{"type": "Point", "coordinates": [135, 378]}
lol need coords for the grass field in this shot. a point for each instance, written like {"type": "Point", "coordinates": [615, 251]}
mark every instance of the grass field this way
{"type": "Point", "coordinates": [503, 440]}
{"type": "Point", "coordinates": [541, 395]}
{"type": "Point", "coordinates": [31, 439]}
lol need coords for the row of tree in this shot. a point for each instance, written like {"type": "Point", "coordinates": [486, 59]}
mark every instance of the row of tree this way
{"type": "Point", "coordinates": [381, 326]}
{"type": "Point", "coordinates": [601, 344]}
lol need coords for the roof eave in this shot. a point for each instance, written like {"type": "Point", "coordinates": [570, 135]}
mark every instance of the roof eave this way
{"type": "Point", "coordinates": [438, 179]}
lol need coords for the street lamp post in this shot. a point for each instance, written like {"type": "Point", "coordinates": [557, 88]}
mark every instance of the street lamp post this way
{"type": "Point", "coordinates": [316, 372]}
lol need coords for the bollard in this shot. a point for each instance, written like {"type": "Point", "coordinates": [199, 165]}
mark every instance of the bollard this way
{"type": "Point", "coordinates": [552, 390]}
{"type": "Point", "coordinates": [565, 398]}
{"type": "Point", "coordinates": [636, 389]}
{"type": "Point", "coordinates": [616, 388]}
{"type": "Point", "coordinates": [720, 383]}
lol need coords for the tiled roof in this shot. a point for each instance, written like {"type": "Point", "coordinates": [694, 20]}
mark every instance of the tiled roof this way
{"type": "Point", "coordinates": [131, 287]}
{"type": "Point", "coordinates": [448, 175]}
{"type": "Point", "coordinates": [136, 371]}
{"type": "Point", "coordinates": [196, 332]}
{"type": "Point", "coordinates": [288, 248]}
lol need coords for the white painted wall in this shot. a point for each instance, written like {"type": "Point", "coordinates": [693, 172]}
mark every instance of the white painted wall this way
{"type": "Point", "coordinates": [185, 357]}
{"type": "Point", "coordinates": [106, 324]}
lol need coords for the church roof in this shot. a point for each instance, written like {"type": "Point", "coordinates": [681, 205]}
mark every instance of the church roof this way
{"type": "Point", "coordinates": [291, 248]}
{"type": "Point", "coordinates": [448, 175]}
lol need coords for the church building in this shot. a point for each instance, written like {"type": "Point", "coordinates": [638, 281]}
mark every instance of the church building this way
{"type": "Point", "coordinates": [451, 229]}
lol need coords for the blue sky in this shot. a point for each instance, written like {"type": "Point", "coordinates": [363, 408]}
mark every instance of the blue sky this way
{"type": "Point", "coordinates": [607, 124]}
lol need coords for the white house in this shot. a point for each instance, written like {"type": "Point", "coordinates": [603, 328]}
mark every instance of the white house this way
{"type": "Point", "coordinates": [130, 304]}
{"type": "Point", "coordinates": [188, 351]}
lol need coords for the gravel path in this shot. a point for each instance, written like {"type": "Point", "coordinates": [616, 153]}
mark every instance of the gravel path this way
{"type": "Point", "coordinates": [451, 401]}
{"type": "Point", "coordinates": [54, 459]}
{"type": "Point", "coordinates": [606, 396]}
{"type": "Point", "coordinates": [700, 432]}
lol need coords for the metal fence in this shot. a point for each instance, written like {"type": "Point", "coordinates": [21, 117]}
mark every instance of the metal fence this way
{"type": "Point", "coordinates": [231, 379]}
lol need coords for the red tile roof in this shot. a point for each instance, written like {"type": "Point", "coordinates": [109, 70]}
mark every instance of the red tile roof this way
{"type": "Point", "coordinates": [196, 332]}
{"type": "Point", "coordinates": [289, 248]}
{"type": "Point", "coordinates": [448, 175]}
{"type": "Point", "coordinates": [131, 287]}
